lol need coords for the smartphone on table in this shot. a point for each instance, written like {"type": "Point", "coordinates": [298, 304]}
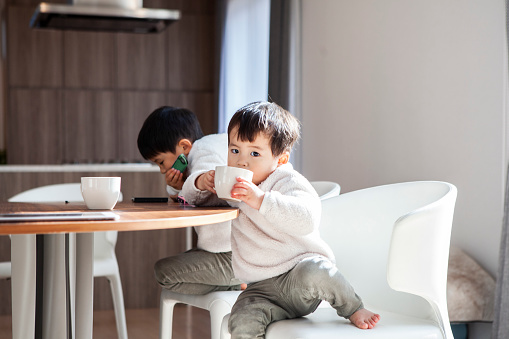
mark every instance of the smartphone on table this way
{"type": "Point", "coordinates": [180, 164]}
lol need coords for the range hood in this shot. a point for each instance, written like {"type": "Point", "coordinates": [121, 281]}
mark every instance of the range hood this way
{"type": "Point", "coordinates": [103, 15]}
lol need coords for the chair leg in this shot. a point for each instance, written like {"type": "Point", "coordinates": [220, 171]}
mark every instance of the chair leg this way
{"type": "Point", "coordinates": [225, 334]}
{"type": "Point", "coordinates": [54, 282]}
{"type": "Point", "coordinates": [23, 259]}
{"type": "Point", "coordinates": [118, 305]}
{"type": "Point", "coordinates": [166, 316]}
{"type": "Point", "coordinates": [218, 310]}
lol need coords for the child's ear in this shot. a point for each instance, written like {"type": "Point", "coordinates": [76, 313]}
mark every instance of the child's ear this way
{"type": "Point", "coordinates": [283, 159]}
{"type": "Point", "coordinates": [186, 145]}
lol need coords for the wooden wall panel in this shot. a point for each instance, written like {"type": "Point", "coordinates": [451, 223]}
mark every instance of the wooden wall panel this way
{"type": "Point", "coordinates": [191, 53]}
{"type": "Point", "coordinates": [90, 59]}
{"type": "Point", "coordinates": [202, 104]}
{"type": "Point", "coordinates": [199, 6]}
{"type": "Point", "coordinates": [34, 123]}
{"type": "Point", "coordinates": [185, 6]}
{"type": "Point", "coordinates": [198, 52]}
{"type": "Point", "coordinates": [178, 64]}
{"type": "Point", "coordinates": [141, 61]}
{"type": "Point", "coordinates": [90, 126]}
{"type": "Point", "coordinates": [34, 57]}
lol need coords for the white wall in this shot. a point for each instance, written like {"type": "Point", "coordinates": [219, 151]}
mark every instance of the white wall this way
{"type": "Point", "coordinates": [398, 90]}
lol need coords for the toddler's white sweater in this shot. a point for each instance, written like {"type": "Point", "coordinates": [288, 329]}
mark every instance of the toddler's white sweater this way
{"type": "Point", "coordinates": [271, 241]}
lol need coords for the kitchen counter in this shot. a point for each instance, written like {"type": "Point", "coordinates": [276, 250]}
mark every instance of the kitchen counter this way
{"type": "Point", "coordinates": [127, 167]}
{"type": "Point", "coordinates": [138, 179]}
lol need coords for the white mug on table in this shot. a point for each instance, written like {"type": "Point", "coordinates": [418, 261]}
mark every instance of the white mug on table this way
{"type": "Point", "coordinates": [100, 192]}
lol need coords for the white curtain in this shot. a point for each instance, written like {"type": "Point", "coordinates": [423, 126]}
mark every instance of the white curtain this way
{"type": "Point", "coordinates": [285, 61]}
{"type": "Point", "coordinates": [250, 29]}
{"type": "Point", "coordinates": [244, 68]}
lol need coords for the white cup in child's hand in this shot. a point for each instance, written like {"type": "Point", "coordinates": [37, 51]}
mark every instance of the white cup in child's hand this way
{"type": "Point", "coordinates": [100, 193]}
{"type": "Point", "coordinates": [225, 177]}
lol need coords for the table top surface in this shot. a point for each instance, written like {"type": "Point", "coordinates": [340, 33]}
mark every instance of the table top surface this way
{"type": "Point", "coordinates": [132, 217]}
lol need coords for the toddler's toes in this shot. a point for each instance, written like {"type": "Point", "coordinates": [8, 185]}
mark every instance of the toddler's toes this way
{"type": "Point", "coordinates": [364, 319]}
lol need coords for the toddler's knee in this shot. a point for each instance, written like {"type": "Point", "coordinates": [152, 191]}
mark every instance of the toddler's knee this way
{"type": "Point", "coordinates": [317, 268]}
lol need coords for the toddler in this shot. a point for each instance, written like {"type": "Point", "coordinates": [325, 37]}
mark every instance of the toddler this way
{"type": "Point", "coordinates": [276, 246]}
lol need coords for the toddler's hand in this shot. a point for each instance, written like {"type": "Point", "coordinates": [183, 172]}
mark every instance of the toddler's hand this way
{"type": "Point", "coordinates": [205, 181]}
{"type": "Point", "coordinates": [174, 178]}
{"type": "Point", "coordinates": [248, 192]}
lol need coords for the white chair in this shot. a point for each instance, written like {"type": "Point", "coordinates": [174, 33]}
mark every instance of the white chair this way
{"type": "Point", "coordinates": [5, 270]}
{"type": "Point", "coordinates": [220, 303]}
{"type": "Point", "coordinates": [326, 189]}
{"type": "Point", "coordinates": [105, 261]}
{"type": "Point", "coordinates": [392, 244]}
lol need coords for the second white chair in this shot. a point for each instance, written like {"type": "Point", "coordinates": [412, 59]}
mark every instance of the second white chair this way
{"type": "Point", "coordinates": [326, 189]}
{"type": "Point", "coordinates": [105, 260]}
{"type": "Point", "coordinates": [218, 304]}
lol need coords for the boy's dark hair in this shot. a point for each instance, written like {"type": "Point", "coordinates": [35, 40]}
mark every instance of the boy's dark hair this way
{"type": "Point", "coordinates": [268, 118]}
{"type": "Point", "coordinates": [164, 128]}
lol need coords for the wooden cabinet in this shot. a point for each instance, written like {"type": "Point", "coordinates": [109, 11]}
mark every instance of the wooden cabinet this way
{"type": "Point", "coordinates": [34, 57]}
{"type": "Point", "coordinates": [82, 97]}
{"type": "Point", "coordinates": [189, 41]}
{"type": "Point", "coordinates": [34, 121]}
{"type": "Point", "coordinates": [90, 59]}
{"type": "Point", "coordinates": [142, 61]}
{"type": "Point", "coordinates": [90, 126]}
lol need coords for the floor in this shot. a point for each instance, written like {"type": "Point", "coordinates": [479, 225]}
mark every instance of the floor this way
{"type": "Point", "coordinates": [188, 323]}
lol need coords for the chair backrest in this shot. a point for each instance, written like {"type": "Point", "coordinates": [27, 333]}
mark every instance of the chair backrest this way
{"type": "Point", "coordinates": [50, 193]}
{"type": "Point", "coordinates": [326, 189]}
{"type": "Point", "coordinates": [104, 242]}
{"type": "Point", "coordinates": [397, 232]}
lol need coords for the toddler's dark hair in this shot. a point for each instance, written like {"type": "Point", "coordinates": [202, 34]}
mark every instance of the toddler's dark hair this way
{"type": "Point", "coordinates": [268, 118]}
{"type": "Point", "coordinates": [164, 128]}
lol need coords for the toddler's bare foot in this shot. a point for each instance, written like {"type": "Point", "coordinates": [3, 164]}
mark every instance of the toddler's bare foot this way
{"type": "Point", "coordinates": [364, 319]}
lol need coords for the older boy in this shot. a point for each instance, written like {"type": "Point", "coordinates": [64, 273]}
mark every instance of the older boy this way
{"type": "Point", "coordinates": [276, 246]}
{"type": "Point", "coordinates": [166, 133]}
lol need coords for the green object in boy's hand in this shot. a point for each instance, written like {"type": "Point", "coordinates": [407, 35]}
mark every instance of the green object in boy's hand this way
{"type": "Point", "coordinates": [180, 164]}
